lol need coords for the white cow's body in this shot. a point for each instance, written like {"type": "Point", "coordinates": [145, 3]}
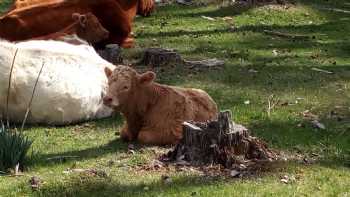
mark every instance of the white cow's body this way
{"type": "Point", "coordinates": [70, 87]}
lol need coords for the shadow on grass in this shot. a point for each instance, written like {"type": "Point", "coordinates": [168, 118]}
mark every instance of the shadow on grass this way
{"type": "Point", "coordinates": [331, 145]}
{"type": "Point", "coordinates": [331, 9]}
{"type": "Point", "coordinates": [103, 187]}
{"type": "Point", "coordinates": [337, 43]}
{"type": "Point", "coordinates": [115, 146]}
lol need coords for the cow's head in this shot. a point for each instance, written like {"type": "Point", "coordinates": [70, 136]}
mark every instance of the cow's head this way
{"type": "Point", "coordinates": [124, 83]}
{"type": "Point", "coordinates": [90, 29]}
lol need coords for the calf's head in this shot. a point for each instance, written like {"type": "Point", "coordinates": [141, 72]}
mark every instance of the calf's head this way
{"type": "Point", "coordinates": [90, 29]}
{"type": "Point", "coordinates": [125, 85]}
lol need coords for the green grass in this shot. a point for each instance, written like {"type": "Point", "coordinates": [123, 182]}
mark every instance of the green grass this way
{"type": "Point", "coordinates": [287, 75]}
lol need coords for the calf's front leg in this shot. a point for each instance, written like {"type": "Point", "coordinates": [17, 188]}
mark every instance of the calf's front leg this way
{"type": "Point", "coordinates": [160, 137]}
{"type": "Point", "coordinates": [126, 135]}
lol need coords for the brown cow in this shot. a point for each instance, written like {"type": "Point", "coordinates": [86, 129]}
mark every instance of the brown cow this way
{"type": "Point", "coordinates": [86, 27]}
{"type": "Point", "coordinates": [154, 113]}
{"type": "Point", "coordinates": [46, 18]}
{"type": "Point", "coordinates": [144, 8]}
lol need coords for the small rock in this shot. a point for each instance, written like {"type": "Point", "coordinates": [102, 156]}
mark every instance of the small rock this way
{"type": "Point", "coordinates": [247, 102]}
{"type": "Point", "coordinates": [242, 166]}
{"type": "Point", "coordinates": [146, 188]}
{"type": "Point", "coordinates": [234, 173]}
{"type": "Point", "coordinates": [252, 71]}
{"type": "Point", "coordinates": [275, 52]}
{"type": "Point", "coordinates": [132, 152]}
{"type": "Point", "coordinates": [318, 125]}
{"type": "Point", "coordinates": [283, 180]}
{"type": "Point", "coordinates": [301, 125]}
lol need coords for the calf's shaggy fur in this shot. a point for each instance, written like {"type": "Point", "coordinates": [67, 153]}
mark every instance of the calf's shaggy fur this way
{"type": "Point", "coordinates": [154, 112]}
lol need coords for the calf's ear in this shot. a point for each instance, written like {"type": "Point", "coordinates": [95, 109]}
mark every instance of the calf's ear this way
{"type": "Point", "coordinates": [147, 77]}
{"type": "Point", "coordinates": [75, 16]}
{"type": "Point", "coordinates": [108, 72]}
{"type": "Point", "coordinates": [82, 20]}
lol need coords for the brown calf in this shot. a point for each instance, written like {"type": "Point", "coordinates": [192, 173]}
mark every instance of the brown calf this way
{"type": "Point", "coordinates": [144, 8]}
{"type": "Point", "coordinates": [154, 113]}
{"type": "Point", "coordinates": [86, 27]}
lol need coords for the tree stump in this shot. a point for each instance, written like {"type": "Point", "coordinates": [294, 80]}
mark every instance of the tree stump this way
{"type": "Point", "coordinates": [112, 53]}
{"type": "Point", "coordinates": [158, 57]}
{"type": "Point", "coordinates": [218, 142]}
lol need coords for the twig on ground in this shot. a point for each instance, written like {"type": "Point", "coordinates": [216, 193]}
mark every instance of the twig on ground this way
{"type": "Point", "coordinates": [285, 35]}
{"type": "Point", "coordinates": [13, 175]}
{"type": "Point", "coordinates": [61, 157]}
{"type": "Point", "coordinates": [321, 70]}
{"type": "Point", "coordinates": [31, 99]}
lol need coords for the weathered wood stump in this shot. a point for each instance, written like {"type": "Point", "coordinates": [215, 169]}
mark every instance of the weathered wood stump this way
{"type": "Point", "coordinates": [158, 57]}
{"type": "Point", "coordinates": [112, 53]}
{"type": "Point", "coordinates": [219, 142]}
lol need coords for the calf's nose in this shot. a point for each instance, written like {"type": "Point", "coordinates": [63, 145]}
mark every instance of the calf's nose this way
{"type": "Point", "coordinates": [107, 100]}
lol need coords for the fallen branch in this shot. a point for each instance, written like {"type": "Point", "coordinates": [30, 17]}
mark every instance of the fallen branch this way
{"type": "Point", "coordinates": [321, 70]}
{"type": "Point", "coordinates": [209, 63]}
{"type": "Point", "coordinates": [285, 35]}
{"type": "Point", "coordinates": [61, 157]}
{"type": "Point", "coordinates": [13, 175]}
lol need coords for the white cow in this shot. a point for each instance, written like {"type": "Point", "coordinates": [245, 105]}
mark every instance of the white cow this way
{"type": "Point", "coordinates": [70, 87]}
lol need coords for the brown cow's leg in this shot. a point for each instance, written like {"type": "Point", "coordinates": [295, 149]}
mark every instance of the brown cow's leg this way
{"type": "Point", "coordinates": [150, 137]}
{"type": "Point", "coordinates": [115, 19]}
{"type": "Point", "coordinates": [145, 7]}
{"type": "Point", "coordinates": [125, 134]}
{"type": "Point", "coordinates": [160, 137]}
